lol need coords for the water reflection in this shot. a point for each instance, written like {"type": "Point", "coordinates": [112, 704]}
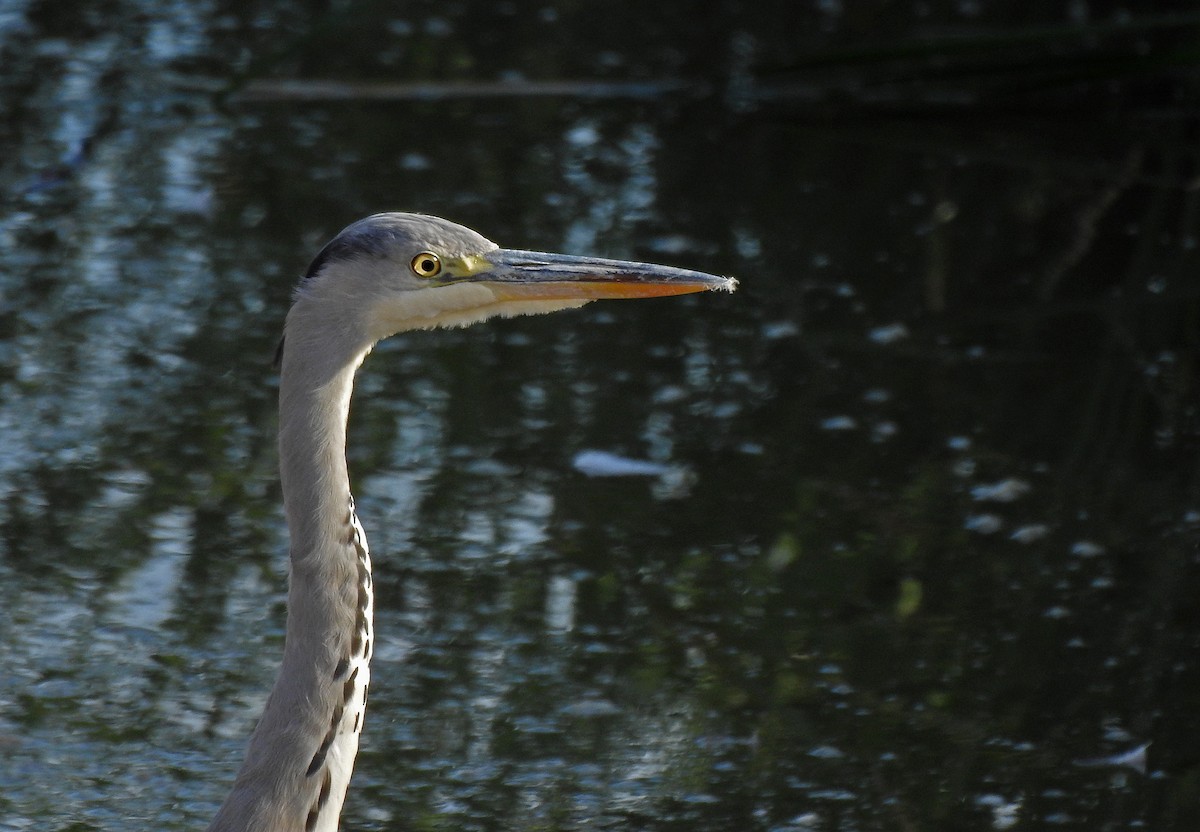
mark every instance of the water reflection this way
{"type": "Point", "coordinates": [938, 539]}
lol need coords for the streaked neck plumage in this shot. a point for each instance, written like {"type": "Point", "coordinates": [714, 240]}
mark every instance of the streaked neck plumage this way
{"type": "Point", "coordinates": [299, 761]}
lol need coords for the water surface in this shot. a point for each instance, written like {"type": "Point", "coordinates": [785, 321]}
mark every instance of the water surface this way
{"type": "Point", "coordinates": [925, 534]}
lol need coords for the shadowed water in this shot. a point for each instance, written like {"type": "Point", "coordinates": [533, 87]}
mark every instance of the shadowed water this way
{"type": "Point", "coordinates": [900, 536]}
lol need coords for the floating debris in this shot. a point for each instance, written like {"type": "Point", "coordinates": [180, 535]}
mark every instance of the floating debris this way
{"type": "Point", "coordinates": [1086, 549]}
{"type": "Point", "coordinates": [1005, 813]}
{"type": "Point", "coordinates": [1135, 758]}
{"type": "Point", "coordinates": [591, 708]}
{"type": "Point", "coordinates": [826, 752]}
{"type": "Point", "coordinates": [888, 334]}
{"type": "Point", "coordinates": [1030, 534]}
{"type": "Point", "coordinates": [1004, 491]}
{"type": "Point", "coordinates": [839, 423]}
{"type": "Point", "coordinates": [775, 330]}
{"type": "Point", "coordinates": [605, 464]}
{"type": "Point", "coordinates": [983, 523]}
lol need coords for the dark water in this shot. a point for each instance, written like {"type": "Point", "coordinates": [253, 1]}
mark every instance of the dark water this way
{"type": "Point", "coordinates": [927, 537]}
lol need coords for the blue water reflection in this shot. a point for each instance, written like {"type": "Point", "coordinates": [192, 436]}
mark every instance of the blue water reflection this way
{"type": "Point", "coordinates": [932, 546]}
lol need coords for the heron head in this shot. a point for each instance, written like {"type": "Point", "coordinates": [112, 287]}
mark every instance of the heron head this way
{"type": "Point", "coordinates": [394, 272]}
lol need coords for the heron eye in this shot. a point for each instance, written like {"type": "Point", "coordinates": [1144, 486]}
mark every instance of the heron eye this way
{"type": "Point", "coordinates": [426, 264]}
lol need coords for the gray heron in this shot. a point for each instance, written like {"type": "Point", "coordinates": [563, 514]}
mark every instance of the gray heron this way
{"type": "Point", "coordinates": [382, 275]}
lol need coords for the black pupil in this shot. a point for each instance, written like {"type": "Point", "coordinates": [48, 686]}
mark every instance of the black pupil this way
{"type": "Point", "coordinates": [427, 264]}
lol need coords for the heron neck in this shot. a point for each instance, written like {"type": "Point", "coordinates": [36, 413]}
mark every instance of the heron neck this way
{"type": "Point", "coordinates": [299, 761]}
{"type": "Point", "coordinates": [312, 455]}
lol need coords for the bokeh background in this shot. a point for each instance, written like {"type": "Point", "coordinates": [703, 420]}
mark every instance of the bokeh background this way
{"type": "Point", "coordinates": [922, 548]}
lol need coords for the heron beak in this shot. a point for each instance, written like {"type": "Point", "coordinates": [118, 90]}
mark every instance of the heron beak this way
{"type": "Point", "coordinates": [535, 275]}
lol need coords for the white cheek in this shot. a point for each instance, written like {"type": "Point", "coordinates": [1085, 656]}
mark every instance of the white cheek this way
{"type": "Point", "coordinates": [458, 305]}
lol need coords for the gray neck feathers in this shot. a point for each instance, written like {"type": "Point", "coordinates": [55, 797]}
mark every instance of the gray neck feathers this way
{"type": "Point", "coordinates": [299, 761]}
